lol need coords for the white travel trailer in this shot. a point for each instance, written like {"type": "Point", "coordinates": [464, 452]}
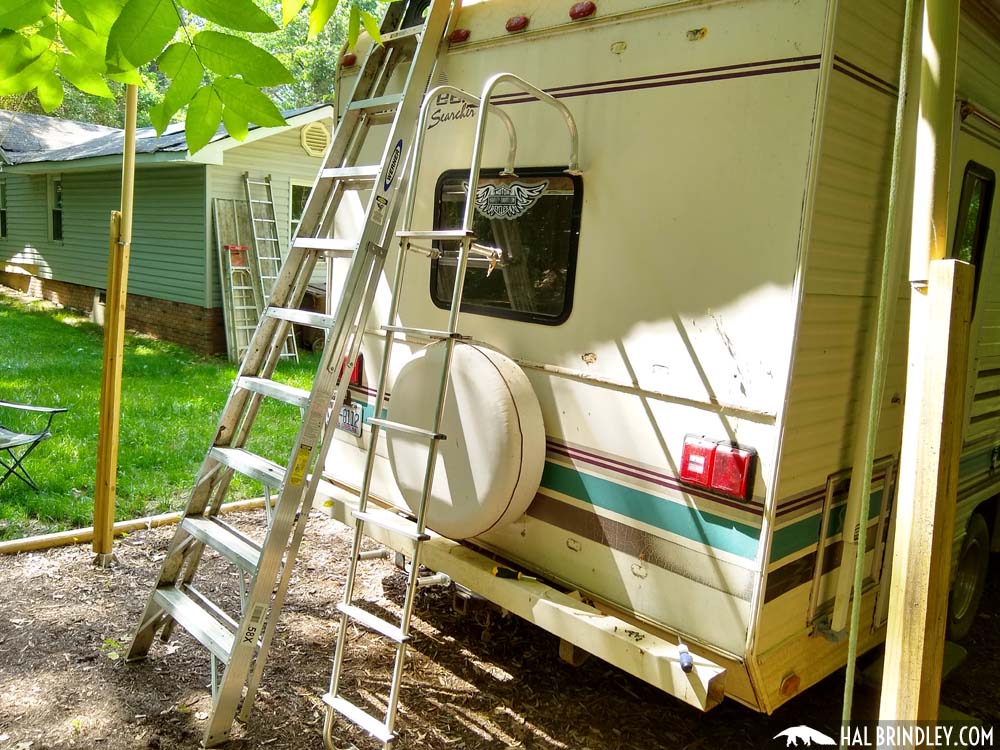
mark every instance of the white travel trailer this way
{"type": "Point", "coordinates": [692, 314]}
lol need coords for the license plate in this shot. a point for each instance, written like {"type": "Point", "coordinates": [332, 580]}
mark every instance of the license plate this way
{"type": "Point", "coordinates": [350, 419]}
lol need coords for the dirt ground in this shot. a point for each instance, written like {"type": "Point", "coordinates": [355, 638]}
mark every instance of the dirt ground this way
{"type": "Point", "coordinates": [473, 682]}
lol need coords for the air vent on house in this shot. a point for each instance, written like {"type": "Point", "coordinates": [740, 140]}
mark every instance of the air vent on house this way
{"type": "Point", "coordinates": [315, 138]}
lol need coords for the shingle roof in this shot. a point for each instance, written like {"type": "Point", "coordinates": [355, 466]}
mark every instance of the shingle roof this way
{"type": "Point", "coordinates": [36, 138]}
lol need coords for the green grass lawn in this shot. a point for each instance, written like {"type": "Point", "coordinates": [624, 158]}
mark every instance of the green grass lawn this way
{"type": "Point", "coordinates": [171, 400]}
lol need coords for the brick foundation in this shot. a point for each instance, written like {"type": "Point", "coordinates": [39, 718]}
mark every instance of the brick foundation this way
{"type": "Point", "coordinates": [195, 327]}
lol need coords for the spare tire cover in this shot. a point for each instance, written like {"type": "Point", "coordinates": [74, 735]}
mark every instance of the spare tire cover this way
{"type": "Point", "coordinates": [488, 469]}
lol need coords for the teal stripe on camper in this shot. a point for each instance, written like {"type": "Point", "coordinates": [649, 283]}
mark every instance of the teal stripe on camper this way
{"type": "Point", "coordinates": [691, 523]}
{"type": "Point", "coordinates": [805, 533]}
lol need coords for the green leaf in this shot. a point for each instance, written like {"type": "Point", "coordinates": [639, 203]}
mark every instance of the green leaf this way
{"type": "Point", "coordinates": [50, 91]}
{"type": "Point", "coordinates": [88, 46]}
{"type": "Point", "coordinates": [249, 101]}
{"type": "Point", "coordinates": [319, 14]}
{"type": "Point", "coordinates": [180, 62]}
{"type": "Point", "coordinates": [15, 54]}
{"type": "Point", "coordinates": [126, 76]}
{"type": "Point", "coordinates": [236, 124]}
{"type": "Point", "coordinates": [290, 9]}
{"type": "Point", "coordinates": [203, 117]}
{"type": "Point", "coordinates": [353, 27]}
{"type": "Point", "coordinates": [96, 15]}
{"type": "Point", "coordinates": [20, 13]}
{"type": "Point", "coordinates": [83, 77]}
{"type": "Point", "coordinates": [371, 26]}
{"type": "Point", "coordinates": [229, 55]}
{"type": "Point", "coordinates": [140, 33]}
{"type": "Point", "coordinates": [242, 15]}
{"type": "Point", "coordinates": [29, 77]}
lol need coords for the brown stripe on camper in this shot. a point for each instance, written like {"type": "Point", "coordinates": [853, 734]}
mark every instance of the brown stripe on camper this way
{"type": "Point", "coordinates": [637, 543]}
{"type": "Point", "coordinates": [864, 76]}
{"type": "Point", "coordinates": [800, 571]}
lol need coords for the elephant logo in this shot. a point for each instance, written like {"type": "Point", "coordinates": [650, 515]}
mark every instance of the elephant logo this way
{"type": "Point", "coordinates": [807, 736]}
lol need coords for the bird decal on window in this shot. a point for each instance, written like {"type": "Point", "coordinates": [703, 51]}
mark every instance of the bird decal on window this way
{"type": "Point", "coordinates": [507, 202]}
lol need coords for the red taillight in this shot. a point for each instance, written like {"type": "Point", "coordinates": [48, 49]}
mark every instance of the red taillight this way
{"type": "Point", "coordinates": [357, 373]}
{"type": "Point", "coordinates": [718, 466]}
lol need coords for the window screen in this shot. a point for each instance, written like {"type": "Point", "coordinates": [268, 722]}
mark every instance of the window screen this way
{"type": "Point", "coordinates": [534, 218]}
{"type": "Point", "coordinates": [973, 221]}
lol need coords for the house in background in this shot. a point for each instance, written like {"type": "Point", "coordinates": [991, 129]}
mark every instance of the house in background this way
{"type": "Point", "coordinates": [60, 180]}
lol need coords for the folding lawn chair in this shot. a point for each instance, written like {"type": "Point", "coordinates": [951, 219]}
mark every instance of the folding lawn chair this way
{"type": "Point", "coordinates": [19, 445]}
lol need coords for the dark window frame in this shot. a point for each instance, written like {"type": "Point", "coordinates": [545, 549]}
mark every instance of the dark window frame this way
{"type": "Point", "coordinates": [3, 209]}
{"type": "Point", "coordinates": [987, 177]}
{"type": "Point", "coordinates": [56, 233]}
{"type": "Point", "coordinates": [571, 261]}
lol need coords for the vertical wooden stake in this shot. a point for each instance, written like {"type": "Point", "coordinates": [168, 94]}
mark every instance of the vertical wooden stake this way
{"type": "Point", "coordinates": [114, 339]}
{"type": "Point", "coordinates": [928, 474]}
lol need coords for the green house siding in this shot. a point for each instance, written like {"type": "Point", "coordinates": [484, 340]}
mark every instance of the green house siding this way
{"type": "Point", "coordinates": [168, 242]}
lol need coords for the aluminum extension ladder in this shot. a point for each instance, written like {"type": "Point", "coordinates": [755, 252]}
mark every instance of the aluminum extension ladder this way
{"type": "Point", "coordinates": [264, 236]}
{"type": "Point", "coordinates": [415, 531]}
{"type": "Point", "coordinates": [241, 642]}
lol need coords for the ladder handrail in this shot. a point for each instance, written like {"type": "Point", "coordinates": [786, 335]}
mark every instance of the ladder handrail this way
{"type": "Point", "coordinates": [418, 143]}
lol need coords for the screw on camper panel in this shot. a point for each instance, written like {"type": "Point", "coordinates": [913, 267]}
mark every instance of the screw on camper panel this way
{"type": "Point", "coordinates": [684, 657]}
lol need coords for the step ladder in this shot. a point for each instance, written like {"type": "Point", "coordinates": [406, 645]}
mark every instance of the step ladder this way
{"type": "Point", "coordinates": [382, 728]}
{"type": "Point", "coordinates": [266, 244]}
{"type": "Point", "coordinates": [241, 641]}
{"type": "Point", "coordinates": [241, 299]}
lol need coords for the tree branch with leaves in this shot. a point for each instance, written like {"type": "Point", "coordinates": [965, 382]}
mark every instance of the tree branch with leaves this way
{"type": "Point", "coordinates": [201, 46]}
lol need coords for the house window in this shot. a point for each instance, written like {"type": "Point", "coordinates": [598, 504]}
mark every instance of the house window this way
{"type": "Point", "coordinates": [300, 194]}
{"type": "Point", "coordinates": [55, 208]}
{"type": "Point", "coordinates": [534, 219]}
{"type": "Point", "coordinates": [3, 209]}
{"type": "Point", "coordinates": [973, 222]}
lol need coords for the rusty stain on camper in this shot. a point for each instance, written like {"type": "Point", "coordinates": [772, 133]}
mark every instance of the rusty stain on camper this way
{"type": "Point", "coordinates": [695, 35]}
{"type": "Point", "coordinates": [589, 358]}
{"type": "Point", "coordinates": [618, 48]}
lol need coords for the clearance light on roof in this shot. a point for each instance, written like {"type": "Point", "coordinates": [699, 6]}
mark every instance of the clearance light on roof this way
{"type": "Point", "coordinates": [582, 10]}
{"type": "Point", "coordinates": [720, 467]}
{"type": "Point", "coordinates": [516, 23]}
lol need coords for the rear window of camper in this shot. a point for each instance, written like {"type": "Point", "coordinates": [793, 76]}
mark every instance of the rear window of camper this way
{"type": "Point", "coordinates": [534, 219]}
{"type": "Point", "coordinates": [973, 221]}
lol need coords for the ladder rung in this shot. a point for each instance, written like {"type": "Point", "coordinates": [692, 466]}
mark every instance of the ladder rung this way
{"type": "Point", "coordinates": [352, 174]}
{"type": "Point", "coordinates": [250, 464]}
{"type": "Point", "coordinates": [394, 37]}
{"type": "Point", "coordinates": [372, 622]}
{"type": "Point", "coordinates": [238, 551]}
{"type": "Point", "coordinates": [385, 424]}
{"type": "Point", "coordinates": [427, 332]}
{"type": "Point", "coordinates": [392, 522]}
{"type": "Point", "coordinates": [377, 104]}
{"type": "Point", "coordinates": [260, 200]}
{"type": "Point", "coordinates": [258, 182]}
{"type": "Point", "coordinates": [280, 391]}
{"type": "Point", "coordinates": [332, 247]}
{"type": "Point", "coordinates": [261, 218]}
{"type": "Point", "coordinates": [301, 317]}
{"type": "Point", "coordinates": [366, 721]}
{"type": "Point", "coordinates": [437, 234]}
{"type": "Point", "coordinates": [204, 628]}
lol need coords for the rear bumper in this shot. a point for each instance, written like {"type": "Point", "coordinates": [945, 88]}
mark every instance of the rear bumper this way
{"type": "Point", "coordinates": [625, 645]}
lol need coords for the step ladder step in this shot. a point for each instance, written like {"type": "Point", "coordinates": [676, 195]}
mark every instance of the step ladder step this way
{"type": "Point", "coordinates": [204, 628]}
{"type": "Point", "coordinates": [385, 424]}
{"type": "Point", "coordinates": [250, 464]}
{"type": "Point", "coordinates": [426, 332]}
{"type": "Point", "coordinates": [267, 387]}
{"type": "Point", "coordinates": [436, 234]}
{"type": "Point", "coordinates": [395, 37]}
{"type": "Point", "coordinates": [231, 546]}
{"type": "Point", "coordinates": [332, 248]}
{"type": "Point", "coordinates": [352, 174]}
{"type": "Point", "coordinates": [370, 621]}
{"type": "Point", "coordinates": [302, 317]}
{"type": "Point", "coordinates": [391, 522]}
{"type": "Point", "coordinates": [366, 721]}
{"type": "Point", "coordinates": [378, 104]}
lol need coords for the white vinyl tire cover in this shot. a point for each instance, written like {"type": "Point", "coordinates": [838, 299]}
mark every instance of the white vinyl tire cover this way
{"type": "Point", "coordinates": [488, 469]}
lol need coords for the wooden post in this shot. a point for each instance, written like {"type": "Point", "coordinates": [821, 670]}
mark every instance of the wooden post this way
{"type": "Point", "coordinates": [114, 339]}
{"type": "Point", "coordinates": [925, 520]}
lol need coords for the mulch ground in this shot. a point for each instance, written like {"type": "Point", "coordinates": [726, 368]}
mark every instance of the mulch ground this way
{"type": "Point", "coordinates": [472, 681]}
